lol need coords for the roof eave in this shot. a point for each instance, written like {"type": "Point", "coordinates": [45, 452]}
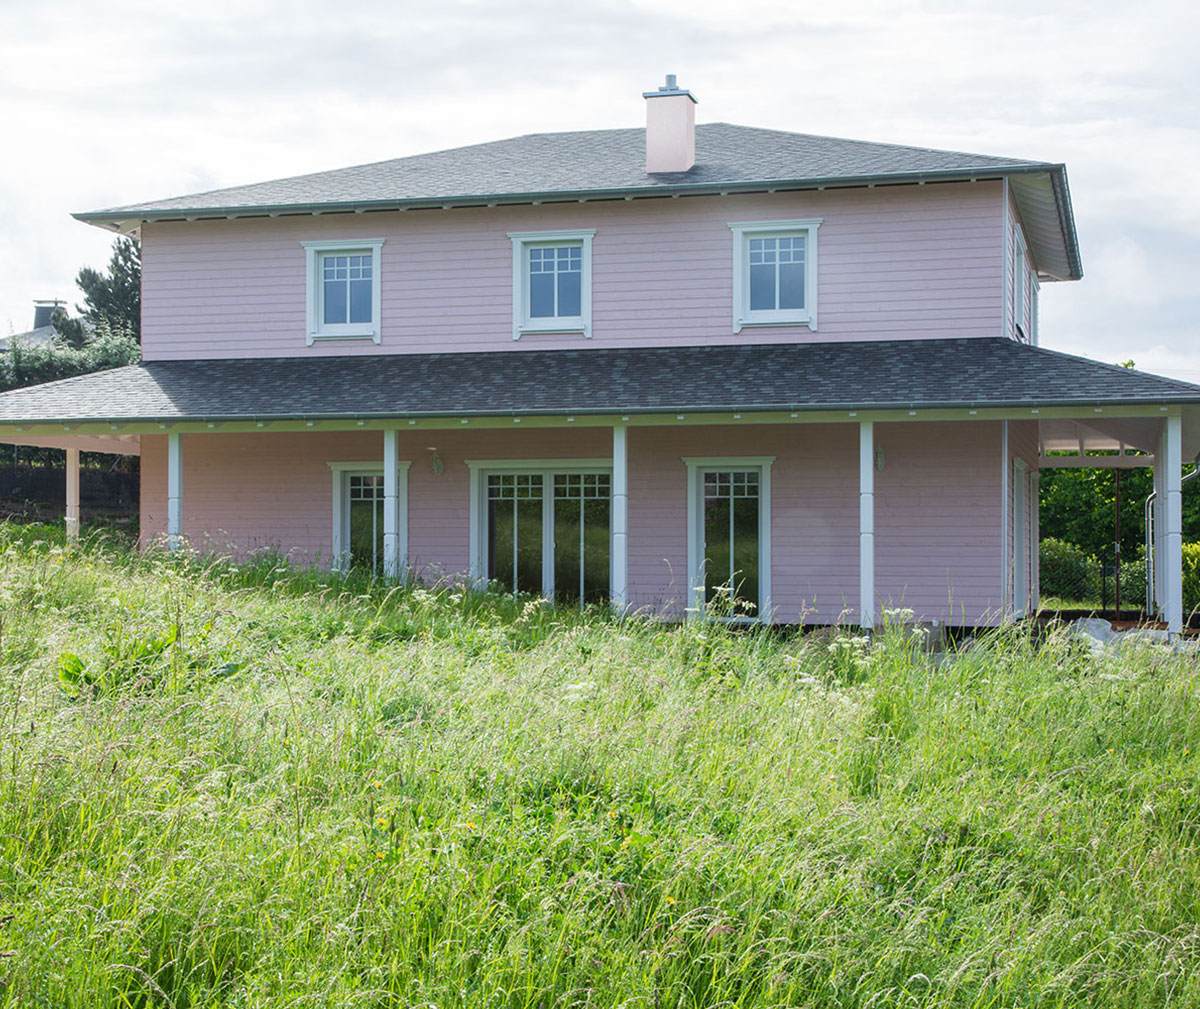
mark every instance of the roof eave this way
{"type": "Point", "coordinates": [589, 411]}
{"type": "Point", "coordinates": [120, 217]}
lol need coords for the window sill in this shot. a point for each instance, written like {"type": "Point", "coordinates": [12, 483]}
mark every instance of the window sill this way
{"type": "Point", "coordinates": [558, 326]}
{"type": "Point", "coordinates": [750, 322]}
{"type": "Point", "coordinates": [353, 334]}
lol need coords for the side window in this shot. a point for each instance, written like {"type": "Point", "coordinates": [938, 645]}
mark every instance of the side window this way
{"type": "Point", "coordinates": [342, 290]}
{"type": "Point", "coordinates": [1020, 279]}
{"type": "Point", "coordinates": [552, 282]}
{"type": "Point", "coordinates": [775, 273]}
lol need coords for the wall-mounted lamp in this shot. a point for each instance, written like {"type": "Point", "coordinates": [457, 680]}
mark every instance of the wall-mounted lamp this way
{"type": "Point", "coordinates": [879, 460]}
{"type": "Point", "coordinates": [435, 462]}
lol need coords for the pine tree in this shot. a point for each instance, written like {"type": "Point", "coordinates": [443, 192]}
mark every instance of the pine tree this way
{"type": "Point", "coordinates": [113, 298]}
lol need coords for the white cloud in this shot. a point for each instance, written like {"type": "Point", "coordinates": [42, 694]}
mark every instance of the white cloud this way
{"type": "Point", "coordinates": [109, 103]}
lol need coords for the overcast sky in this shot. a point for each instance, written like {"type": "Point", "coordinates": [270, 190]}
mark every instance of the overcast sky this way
{"type": "Point", "coordinates": [106, 102]}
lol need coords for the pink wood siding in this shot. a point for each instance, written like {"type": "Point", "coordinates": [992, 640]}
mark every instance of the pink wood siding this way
{"type": "Point", "coordinates": [937, 504]}
{"type": "Point", "coordinates": [937, 520]}
{"type": "Point", "coordinates": [904, 262]}
{"type": "Point", "coordinates": [814, 513]}
{"type": "Point", "coordinates": [275, 491]}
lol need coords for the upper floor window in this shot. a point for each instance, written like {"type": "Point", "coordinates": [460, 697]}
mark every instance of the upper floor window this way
{"type": "Point", "coordinates": [343, 293]}
{"type": "Point", "coordinates": [775, 273]}
{"type": "Point", "coordinates": [552, 282]}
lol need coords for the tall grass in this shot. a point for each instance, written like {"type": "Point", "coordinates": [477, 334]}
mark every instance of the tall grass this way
{"type": "Point", "coordinates": [324, 791]}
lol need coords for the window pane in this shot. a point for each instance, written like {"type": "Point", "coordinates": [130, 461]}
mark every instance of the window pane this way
{"type": "Point", "coordinates": [716, 551]}
{"type": "Point", "coordinates": [791, 285]}
{"type": "Point", "coordinates": [515, 531]}
{"type": "Point", "coordinates": [366, 521]}
{"type": "Point", "coordinates": [568, 516]}
{"type": "Point", "coordinates": [569, 294]}
{"type": "Point", "coordinates": [762, 287]}
{"type": "Point", "coordinates": [745, 555]}
{"type": "Point", "coordinates": [360, 301]}
{"type": "Point", "coordinates": [529, 546]}
{"type": "Point", "coordinates": [541, 295]}
{"type": "Point", "coordinates": [555, 281]}
{"type": "Point", "coordinates": [596, 515]}
{"type": "Point", "coordinates": [731, 573]}
{"type": "Point", "coordinates": [335, 302]}
{"type": "Point", "coordinates": [501, 515]}
{"type": "Point", "coordinates": [582, 508]}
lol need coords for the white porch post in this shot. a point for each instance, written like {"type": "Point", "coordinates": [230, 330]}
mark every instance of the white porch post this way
{"type": "Point", "coordinates": [72, 494]}
{"type": "Point", "coordinates": [391, 511]}
{"type": "Point", "coordinates": [1173, 513]}
{"type": "Point", "coordinates": [619, 576]}
{"type": "Point", "coordinates": [866, 524]}
{"type": "Point", "coordinates": [1158, 519]}
{"type": "Point", "coordinates": [174, 491]}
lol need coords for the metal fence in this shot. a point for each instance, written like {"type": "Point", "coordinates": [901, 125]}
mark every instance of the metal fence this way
{"type": "Point", "coordinates": [100, 490]}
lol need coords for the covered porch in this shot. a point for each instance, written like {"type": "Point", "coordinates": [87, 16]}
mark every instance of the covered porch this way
{"type": "Point", "coordinates": [814, 484]}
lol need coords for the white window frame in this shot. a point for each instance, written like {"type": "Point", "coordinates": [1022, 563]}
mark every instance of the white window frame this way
{"type": "Point", "coordinates": [696, 468]}
{"type": "Point", "coordinates": [481, 469]}
{"type": "Point", "coordinates": [522, 242]}
{"type": "Point", "coordinates": [743, 231]}
{"type": "Point", "coordinates": [1020, 275]}
{"type": "Point", "coordinates": [342, 471]}
{"type": "Point", "coordinates": [1035, 288]}
{"type": "Point", "coordinates": [315, 329]}
{"type": "Point", "coordinates": [1021, 552]}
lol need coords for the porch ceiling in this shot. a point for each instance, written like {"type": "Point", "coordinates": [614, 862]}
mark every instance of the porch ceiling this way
{"type": "Point", "coordinates": [1099, 434]}
{"type": "Point", "coordinates": [115, 444]}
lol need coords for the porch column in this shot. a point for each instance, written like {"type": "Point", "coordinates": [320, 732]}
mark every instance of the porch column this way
{"type": "Point", "coordinates": [866, 524]}
{"type": "Point", "coordinates": [391, 511]}
{"type": "Point", "coordinates": [1157, 518]}
{"type": "Point", "coordinates": [1173, 528]}
{"type": "Point", "coordinates": [174, 492]}
{"type": "Point", "coordinates": [618, 592]}
{"type": "Point", "coordinates": [72, 494]}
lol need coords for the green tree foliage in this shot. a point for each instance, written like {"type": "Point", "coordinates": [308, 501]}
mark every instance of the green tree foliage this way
{"type": "Point", "coordinates": [114, 298]}
{"type": "Point", "coordinates": [109, 347]}
{"type": "Point", "coordinates": [71, 331]}
{"type": "Point", "coordinates": [1079, 506]}
{"type": "Point", "coordinates": [1067, 571]}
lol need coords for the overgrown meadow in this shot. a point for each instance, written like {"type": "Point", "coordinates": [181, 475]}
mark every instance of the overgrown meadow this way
{"type": "Point", "coordinates": [246, 786]}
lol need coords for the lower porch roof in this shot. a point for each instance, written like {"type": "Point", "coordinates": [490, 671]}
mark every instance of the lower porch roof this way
{"type": "Point", "coordinates": [869, 375]}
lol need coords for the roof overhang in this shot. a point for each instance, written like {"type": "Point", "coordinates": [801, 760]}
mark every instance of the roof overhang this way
{"type": "Point", "coordinates": [910, 379]}
{"type": "Point", "coordinates": [1041, 193]}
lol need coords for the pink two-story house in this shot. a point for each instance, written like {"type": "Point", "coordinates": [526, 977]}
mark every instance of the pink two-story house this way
{"type": "Point", "coordinates": [789, 376]}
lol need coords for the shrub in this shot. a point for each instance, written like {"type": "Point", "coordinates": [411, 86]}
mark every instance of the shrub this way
{"type": "Point", "coordinates": [1191, 576]}
{"type": "Point", "coordinates": [30, 364]}
{"type": "Point", "coordinates": [1067, 571]}
{"type": "Point", "coordinates": [1133, 583]}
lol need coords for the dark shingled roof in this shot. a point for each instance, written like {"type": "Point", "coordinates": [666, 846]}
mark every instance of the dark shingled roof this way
{"type": "Point", "coordinates": [590, 161]}
{"type": "Point", "coordinates": [824, 376]}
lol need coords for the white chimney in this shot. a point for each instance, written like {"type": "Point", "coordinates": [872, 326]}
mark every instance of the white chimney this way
{"type": "Point", "coordinates": [670, 128]}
